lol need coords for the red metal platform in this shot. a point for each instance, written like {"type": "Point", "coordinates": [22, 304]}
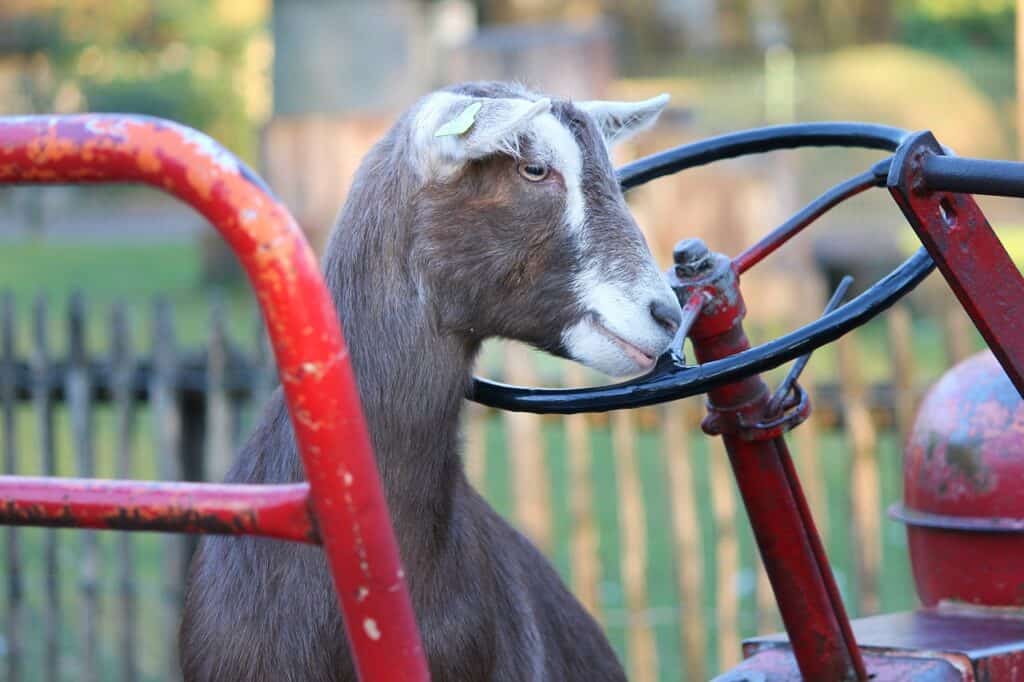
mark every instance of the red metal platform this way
{"type": "Point", "coordinates": [948, 643]}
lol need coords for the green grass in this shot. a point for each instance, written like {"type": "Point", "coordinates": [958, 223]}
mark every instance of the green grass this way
{"type": "Point", "coordinates": [108, 269]}
{"type": "Point", "coordinates": [109, 272]}
{"type": "Point", "coordinates": [887, 83]}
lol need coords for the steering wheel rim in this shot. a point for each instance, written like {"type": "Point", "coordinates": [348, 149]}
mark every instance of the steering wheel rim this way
{"type": "Point", "coordinates": [671, 379]}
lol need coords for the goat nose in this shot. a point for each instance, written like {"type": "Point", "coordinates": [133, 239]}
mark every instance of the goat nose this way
{"type": "Point", "coordinates": [666, 314]}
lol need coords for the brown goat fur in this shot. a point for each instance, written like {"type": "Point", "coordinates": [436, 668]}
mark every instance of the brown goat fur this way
{"type": "Point", "coordinates": [422, 269]}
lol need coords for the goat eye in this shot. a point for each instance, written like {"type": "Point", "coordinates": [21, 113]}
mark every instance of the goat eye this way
{"type": "Point", "coordinates": [533, 171]}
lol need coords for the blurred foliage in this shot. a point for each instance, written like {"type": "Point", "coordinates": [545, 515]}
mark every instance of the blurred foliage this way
{"type": "Point", "coordinates": [955, 25]}
{"type": "Point", "coordinates": [199, 62]}
{"type": "Point", "coordinates": [806, 25]}
{"type": "Point", "coordinates": [876, 83]}
{"type": "Point", "coordinates": [740, 25]}
{"type": "Point", "coordinates": [206, 62]}
{"type": "Point", "coordinates": [883, 83]}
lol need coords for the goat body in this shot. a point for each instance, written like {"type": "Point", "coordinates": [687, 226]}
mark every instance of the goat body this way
{"type": "Point", "coordinates": [435, 250]}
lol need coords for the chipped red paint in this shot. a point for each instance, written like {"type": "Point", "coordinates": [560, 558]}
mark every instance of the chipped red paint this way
{"type": "Point", "coordinates": [275, 511]}
{"type": "Point", "coordinates": [320, 389]}
{"type": "Point", "coordinates": [966, 251]}
{"type": "Point", "coordinates": [963, 472]}
{"type": "Point", "coordinates": [787, 539]}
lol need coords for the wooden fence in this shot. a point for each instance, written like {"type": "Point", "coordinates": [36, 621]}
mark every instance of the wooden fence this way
{"type": "Point", "coordinates": [636, 509]}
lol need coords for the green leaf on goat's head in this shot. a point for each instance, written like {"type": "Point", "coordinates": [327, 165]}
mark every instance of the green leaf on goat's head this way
{"type": "Point", "coordinates": [461, 123]}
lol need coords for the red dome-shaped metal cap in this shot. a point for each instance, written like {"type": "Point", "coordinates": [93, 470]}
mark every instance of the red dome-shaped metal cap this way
{"type": "Point", "coordinates": [964, 488]}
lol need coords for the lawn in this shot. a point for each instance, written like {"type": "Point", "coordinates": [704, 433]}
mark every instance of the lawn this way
{"type": "Point", "coordinates": [109, 272]}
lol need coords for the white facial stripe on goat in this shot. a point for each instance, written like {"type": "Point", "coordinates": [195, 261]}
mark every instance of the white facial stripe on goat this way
{"type": "Point", "coordinates": [555, 142]}
{"type": "Point", "coordinates": [553, 138]}
{"type": "Point", "coordinates": [623, 309]}
{"type": "Point", "coordinates": [613, 302]}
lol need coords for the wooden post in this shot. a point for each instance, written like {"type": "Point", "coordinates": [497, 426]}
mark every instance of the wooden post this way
{"type": "Point", "coordinates": [584, 540]}
{"type": "Point", "coordinates": [475, 417]}
{"type": "Point", "coordinates": [727, 554]}
{"type": "Point", "coordinates": [15, 588]}
{"type": "Point", "coordinates": [165, 405]}
{"type": "Point", "coordinates": [958, 334]}
{"type": "Point", "coordinates": [122, 361]}
{"type": "Point", "coordinates": [643, 651]}
{"type": "Point", "coordinates": [864, 478]}
{"type": "Point", "coordinates": [42, 404]}
{"type": "Point", "coordinates": [531, 482]}
{"type": "Point", "coordinates": [687, 548]}
{"type": "Point", "coordinates": [902, 344]}
{"type": "Point", "coordinates": [78, 388]}
{"type": "Point", "coordinates": [218, 421]}
{"type": "Point", "coordinates": [768, 618]}
{"type": "Point", "coordinates": [809, 467]}
{"type": "Point", "coordinates": [264, 379]}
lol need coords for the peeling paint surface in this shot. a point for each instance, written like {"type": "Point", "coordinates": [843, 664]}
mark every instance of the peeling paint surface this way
{"type": "Point", "coordinates": [965, 453]}
{"type": "Point", "coordinates": [947, 644]}
{"type": "Point", "coordinates": [964, 476]}
{"type": "Point", "coordinates": [304, 333]}
{"type": "Point", "coordinates": [277, 511]}
{"type": "Point", "coordinates": [966, 251]}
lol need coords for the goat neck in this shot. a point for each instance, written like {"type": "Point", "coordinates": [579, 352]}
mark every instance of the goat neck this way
{"type": "Point", "coordinates": [412, 376]}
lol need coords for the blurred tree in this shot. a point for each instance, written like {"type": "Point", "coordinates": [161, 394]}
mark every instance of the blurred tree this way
{"type": "Point", "coordinates": [182, 59]}
{"type": "Point", "coordinates": [957, 25]}
{"type": "Point", "coordinates": [204, 63]}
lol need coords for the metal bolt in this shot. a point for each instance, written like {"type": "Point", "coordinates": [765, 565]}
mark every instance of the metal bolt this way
{"type": "Point", "coordinates": [692, 256]}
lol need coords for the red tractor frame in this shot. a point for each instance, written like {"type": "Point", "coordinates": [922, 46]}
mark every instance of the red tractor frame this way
{"type": "Point", "coordinates": [343, 507]}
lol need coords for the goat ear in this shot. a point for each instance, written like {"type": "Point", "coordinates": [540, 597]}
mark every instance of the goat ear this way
{"type": "Point", "coordinates": [621, 120]}
{"type": "Point", "coordinates": [472, 128]}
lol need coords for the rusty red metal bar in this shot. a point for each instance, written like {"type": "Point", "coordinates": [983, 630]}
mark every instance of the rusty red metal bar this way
{"type": "Point", "coordinates": [768, 244]}
{"type": "Point", "coordinates": [966, 250]}
{"type": "Point", "coordinates": [792, 552]}
{"type": "Point", "coordinates": [347, 499]}
{"type": "Point", "coordinates": [274, 511]}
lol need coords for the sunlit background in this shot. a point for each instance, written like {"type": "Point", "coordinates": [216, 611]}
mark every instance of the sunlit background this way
{"type": "Point", "coordinates": [637, 510]}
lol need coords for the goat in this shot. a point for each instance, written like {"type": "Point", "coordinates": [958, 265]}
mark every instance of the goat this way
{"type": "Point", "coordinates": [486, 211]}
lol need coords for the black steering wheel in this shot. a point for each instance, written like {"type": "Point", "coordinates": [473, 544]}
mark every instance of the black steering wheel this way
{"type": "Point", "coordinates": [671, 378]}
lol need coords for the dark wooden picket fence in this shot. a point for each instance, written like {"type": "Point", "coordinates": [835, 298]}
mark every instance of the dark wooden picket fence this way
{"type": "Point", "coordinates": [196, 404]}
{"type": "Point", "coordinates": [91, 606]}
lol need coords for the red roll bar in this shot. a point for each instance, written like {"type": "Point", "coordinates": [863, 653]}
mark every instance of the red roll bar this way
{"type": "Point", "coordinates": [343, 498]}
